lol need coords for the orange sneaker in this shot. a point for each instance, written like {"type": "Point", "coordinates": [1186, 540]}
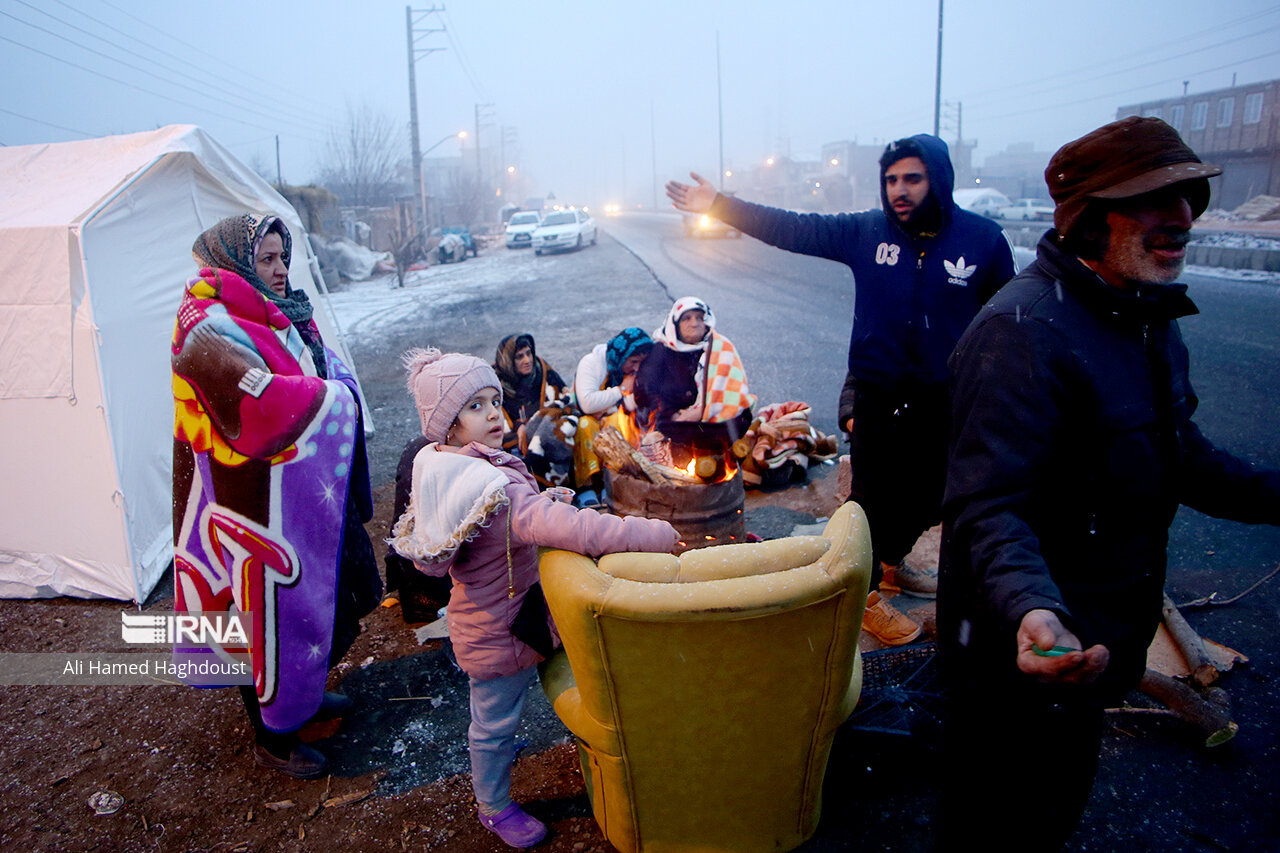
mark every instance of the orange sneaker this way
{"type": "Point", "coordinates": [888, 624]}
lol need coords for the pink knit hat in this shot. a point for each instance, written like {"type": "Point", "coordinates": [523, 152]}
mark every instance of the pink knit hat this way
{"type": "Point", "coordinates": [442, 383]}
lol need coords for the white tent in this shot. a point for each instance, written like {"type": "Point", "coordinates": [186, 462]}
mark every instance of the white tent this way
{"type": "Point", "coordinates": [95, 245]}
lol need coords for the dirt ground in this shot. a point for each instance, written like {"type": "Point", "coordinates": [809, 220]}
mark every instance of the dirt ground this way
{"type": "Point", "coordinates": [181, 758]}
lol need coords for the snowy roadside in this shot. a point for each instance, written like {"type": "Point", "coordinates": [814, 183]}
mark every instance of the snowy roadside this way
{"type": "Point", "coordinates": [1024, 257]}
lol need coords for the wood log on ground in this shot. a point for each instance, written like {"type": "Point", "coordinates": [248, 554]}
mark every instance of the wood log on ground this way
{"type": "Point", "coordinates": [1188, 641]}
{"type": "Point", "coordinates": [1212, 718]}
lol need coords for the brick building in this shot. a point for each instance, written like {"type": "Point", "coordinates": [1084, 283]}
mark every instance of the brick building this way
{"type": "Point", "coordinates": [1236, 128]}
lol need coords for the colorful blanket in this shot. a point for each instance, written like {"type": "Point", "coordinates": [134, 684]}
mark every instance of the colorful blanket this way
{"type": "Point", "coordinates": [263, 457]}
{"type": "Point", "coordinates": [725, 387]}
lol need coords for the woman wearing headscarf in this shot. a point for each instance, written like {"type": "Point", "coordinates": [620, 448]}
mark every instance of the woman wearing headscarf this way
{"type": "Point", "coordinates": [603, 388]}
{"type": "Point", "coordinates": [693, 377]}
{"type": "Point", "coordinates": [528, 384]}
{"type": "Point", "coordinates": [270, 486]}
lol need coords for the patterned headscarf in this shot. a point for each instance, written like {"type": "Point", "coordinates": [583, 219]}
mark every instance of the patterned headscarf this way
{"type": "Point", "coordinates": [514, 386]}
{"type": "Point", "coordinates": [232, 244]}
{"type": "Point", "coordinates": [669, 334]}
{"type": "Point", "coordinates": [630, 341]}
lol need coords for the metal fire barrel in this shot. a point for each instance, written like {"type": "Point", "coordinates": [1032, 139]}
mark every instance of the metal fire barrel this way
{"type": "Point", "coordinates": [703, 513]}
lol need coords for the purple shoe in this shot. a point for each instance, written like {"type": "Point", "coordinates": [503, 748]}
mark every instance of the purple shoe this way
{"type": "Point", "coordinates": [515, 826]}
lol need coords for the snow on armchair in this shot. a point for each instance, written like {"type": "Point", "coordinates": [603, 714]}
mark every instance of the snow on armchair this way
{"type": "Point", "coordinates": [704, 690]}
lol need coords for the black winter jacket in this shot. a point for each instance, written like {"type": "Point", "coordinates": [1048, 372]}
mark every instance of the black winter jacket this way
{"type": "Point", "coordinates": [913, 296]}
{"type": "Point", "coordinates": [1072, 446]}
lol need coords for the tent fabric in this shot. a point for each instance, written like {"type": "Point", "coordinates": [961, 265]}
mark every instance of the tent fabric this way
{"type": "Point", "coordinates": [95, 246]}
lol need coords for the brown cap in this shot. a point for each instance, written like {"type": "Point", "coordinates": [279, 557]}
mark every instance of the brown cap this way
{"type": "Point", "coordinates": [1129, 157]}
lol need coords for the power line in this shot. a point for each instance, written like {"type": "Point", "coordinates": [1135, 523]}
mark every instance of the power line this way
{"type": "Point", "coordinates": [275, 108]}
{"type": "Point", "coordinates": [129, 65]}
{"type": "Point", "coordinates": [1130, 89]}
{"type": "Point", "coordinates": [1148, 64]}
{"type": "Point", "coordinates": [134, 86]}
{"type": "Point", "coordinates": [200, 50]}
{"type": "Point", "coordinates": [462, 58]}
{"type": "Point", "coordinates": [83, 133]}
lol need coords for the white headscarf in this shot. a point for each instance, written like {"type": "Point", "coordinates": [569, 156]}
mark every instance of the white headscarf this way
{"type": "Point", "coordinates": [669, 334]}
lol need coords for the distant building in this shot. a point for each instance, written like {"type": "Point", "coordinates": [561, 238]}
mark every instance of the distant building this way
{"type": "Point", "coordinates": [1236, 128]}
{"type": "Point", "coordinates": [1017, 171]}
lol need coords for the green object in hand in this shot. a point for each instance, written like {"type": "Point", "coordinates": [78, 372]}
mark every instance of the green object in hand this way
{"type": "Point", "coordinates": [1056, 651]}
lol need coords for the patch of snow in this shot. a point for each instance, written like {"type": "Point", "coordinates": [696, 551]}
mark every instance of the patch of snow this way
{"type": "Point", "coordinates": [379, 304]}
{"type": "Point", "coordinates": [1234, 240]}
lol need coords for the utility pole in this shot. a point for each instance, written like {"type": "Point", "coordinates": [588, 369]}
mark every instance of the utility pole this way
{"type": "Point", "coordinates": [653, 154]}
{"type": "Point", "coordinates": [720, 109]}
{"type": "Point", "coordinates": [279, 180]}
{"type": "Point", "coordinates": [479, 173]}
{"type": "Point", "coordinates": [937, 86]}
{"type": "Point", "coordinates": [411, 36]}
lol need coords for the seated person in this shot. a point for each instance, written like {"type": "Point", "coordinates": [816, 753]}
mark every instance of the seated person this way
{"type": "Point", "coordinates": [692, 387]}
{"type": "Point", "coordinates": [528, 384]}
{"type": "Point", "coordinates": [603, 387]}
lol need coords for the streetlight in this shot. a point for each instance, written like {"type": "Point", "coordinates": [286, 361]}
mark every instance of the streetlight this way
{"type": "Point", "coordinates": [462, 134]}
{"type": "Point", "coordinates": [422, 184]}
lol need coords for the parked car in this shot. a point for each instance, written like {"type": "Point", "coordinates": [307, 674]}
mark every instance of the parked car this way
{"type": "Point", "coordinates": [982, 201]}
{"type": "Point", "coordinates": [1027, 209]}
{"type": "Point", "coordinates": [465, 233]}
{"type": "Point", "coordinates": [564, 229]}
{"type": "Point", "coordinates": [702, 225]}
{"type": "Point", "coordinates": [520, 228]}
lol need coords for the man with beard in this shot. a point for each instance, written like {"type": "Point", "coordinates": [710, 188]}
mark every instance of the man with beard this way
{"type": "Point", "coordinates": [922, 267]}
{"type": "Point", "coordinates": [1072, 446]}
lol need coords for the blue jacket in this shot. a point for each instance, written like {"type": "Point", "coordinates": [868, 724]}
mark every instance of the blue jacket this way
{"type": "Point", "coordinates": [913, 297]}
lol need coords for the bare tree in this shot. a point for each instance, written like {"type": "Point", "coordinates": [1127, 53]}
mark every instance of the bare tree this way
{"type": "Point", "coordinates": [362, 157]}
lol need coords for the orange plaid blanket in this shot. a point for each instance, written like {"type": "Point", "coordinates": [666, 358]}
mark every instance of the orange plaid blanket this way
{"type": "Point", "coordinates": [724, 391]}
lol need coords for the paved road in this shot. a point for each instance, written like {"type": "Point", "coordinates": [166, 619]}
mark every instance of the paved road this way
{"type": "Point", "coordinates": [790, 317]}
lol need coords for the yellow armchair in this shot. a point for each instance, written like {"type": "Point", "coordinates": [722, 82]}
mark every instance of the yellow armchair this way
{"type": "Point", "coordinates": [704, 690]}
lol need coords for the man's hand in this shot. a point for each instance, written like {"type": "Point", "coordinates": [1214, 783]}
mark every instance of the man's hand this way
{"type": "Point", "coordinates": [1043, 629]}
{"type": "Point", "coordinates": [695, 199]}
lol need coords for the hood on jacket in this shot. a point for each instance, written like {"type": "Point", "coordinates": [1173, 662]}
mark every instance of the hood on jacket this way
{"type": "Point", "coordinates": [937, 161]}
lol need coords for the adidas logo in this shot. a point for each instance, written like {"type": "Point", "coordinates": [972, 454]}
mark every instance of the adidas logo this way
{"type": "Point", "coordinates": [958, 272]}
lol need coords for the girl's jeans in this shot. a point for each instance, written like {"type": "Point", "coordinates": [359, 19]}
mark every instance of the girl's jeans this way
{"type": "Point", "coordinates": [495, 714]}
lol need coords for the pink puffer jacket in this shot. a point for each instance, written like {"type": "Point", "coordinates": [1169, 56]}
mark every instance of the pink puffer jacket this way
{"type": "Point", "coordinates": [476, 554]}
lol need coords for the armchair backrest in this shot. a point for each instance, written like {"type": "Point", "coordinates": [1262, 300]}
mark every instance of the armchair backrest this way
{"type": "Point", "coordinates": [707, 688]}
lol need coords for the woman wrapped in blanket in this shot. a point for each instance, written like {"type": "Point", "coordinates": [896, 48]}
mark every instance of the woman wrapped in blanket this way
{"type": "Point", "coordinates": [692, 386]}
{"type": "Point", "coordinates": [270, 487]}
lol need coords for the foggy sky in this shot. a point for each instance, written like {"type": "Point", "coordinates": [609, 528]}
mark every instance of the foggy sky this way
{"type": "Point", "coordinates": [596, 91]}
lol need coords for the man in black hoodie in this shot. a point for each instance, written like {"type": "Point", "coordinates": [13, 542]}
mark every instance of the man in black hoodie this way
{"type": "Point", "coordinates": [922, 267]}
{"type": "Point", "coordinates": [1072, 446]}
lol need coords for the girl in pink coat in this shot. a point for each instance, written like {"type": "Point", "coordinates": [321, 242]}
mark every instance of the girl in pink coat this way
{"type": "Point", "coordinates": [476, 513]}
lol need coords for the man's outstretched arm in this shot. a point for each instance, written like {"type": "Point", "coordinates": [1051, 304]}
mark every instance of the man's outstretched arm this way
{"type": "Point", "coordinates": [692, 199]}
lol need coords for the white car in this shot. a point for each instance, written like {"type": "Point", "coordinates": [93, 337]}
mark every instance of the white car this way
{"type": "Point", "coordinates": [564, 229]}
{"type": "Point", "coordinates": [982, 201]}
{"type": "Point", "coordinates": [1027, 209]}
{"type": "Point", "coordinates": [520, 228]}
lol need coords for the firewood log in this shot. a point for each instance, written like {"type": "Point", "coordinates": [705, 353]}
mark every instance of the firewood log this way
{"type": "Point", "coordinates": [1188, 641]}
{"type": "Point", "coordinates": [1211, 717]}
{"type": "Point", "coordinates": [619, 455]}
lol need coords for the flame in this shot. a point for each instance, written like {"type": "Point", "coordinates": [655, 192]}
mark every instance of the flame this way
{"type": "Point", "coordinates": [691, 467]}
